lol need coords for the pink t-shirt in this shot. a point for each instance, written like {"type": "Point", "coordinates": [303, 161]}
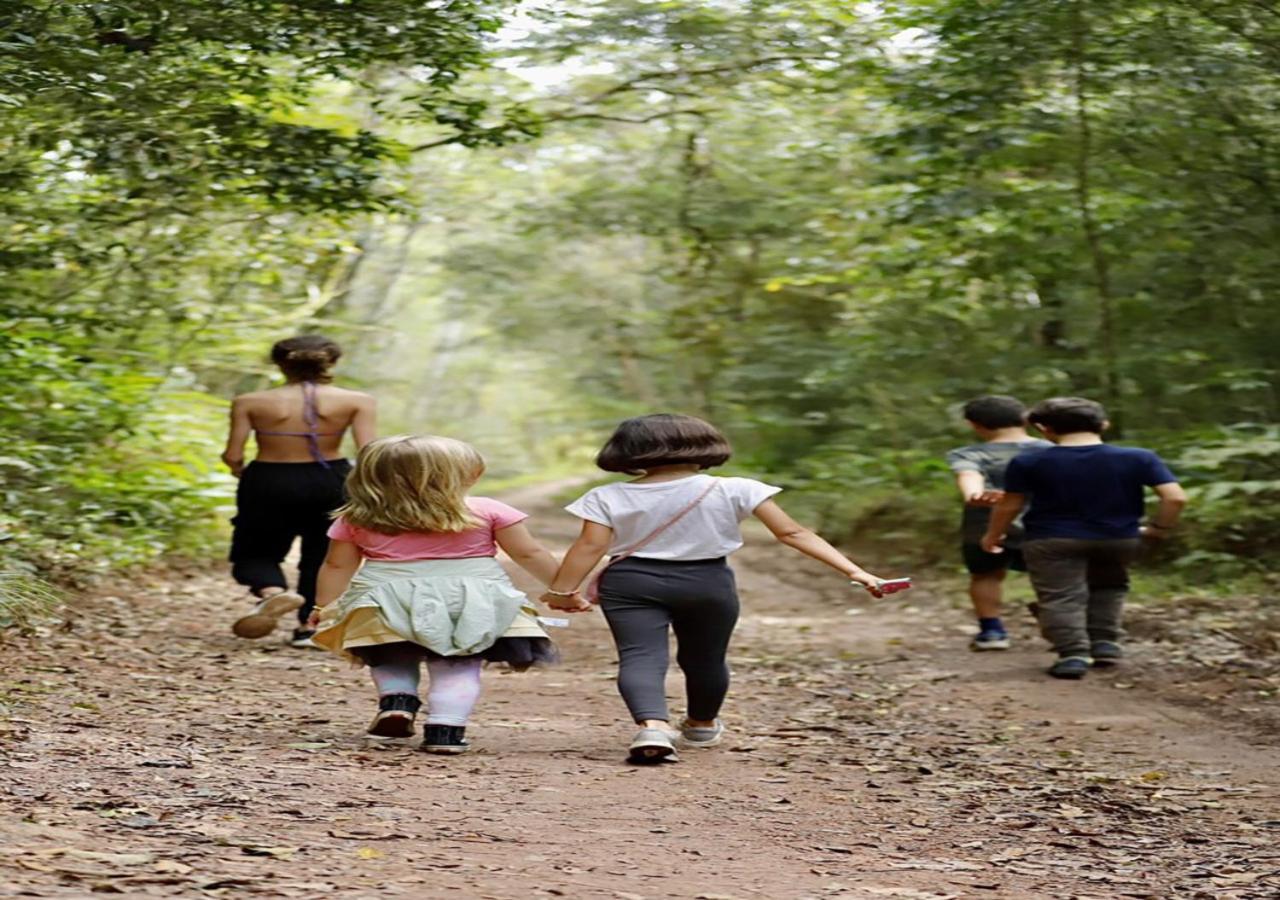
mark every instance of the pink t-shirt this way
{"type": "Point", "coordinates": [438, 545]}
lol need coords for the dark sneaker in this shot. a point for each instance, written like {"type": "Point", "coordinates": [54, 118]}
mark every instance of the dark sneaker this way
{"type": "Point", "coordinates": [395, 716]}
{"type": "Point", "coordinates": [1106, 653]}
{"type": "Point", "coordinates": [990, 640]}
{"type": "Point", "coordinates": [1073, 667]}
{"type": "Point", "coordinates": [302, 639]}
{"type": "Point", "coordinates": [446, 739]}
{"type": "Point", "coordinates": [266, 615]}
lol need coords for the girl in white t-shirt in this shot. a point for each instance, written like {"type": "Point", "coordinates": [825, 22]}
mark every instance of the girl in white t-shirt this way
{"type": "Point", "coordinates": [669, 532]}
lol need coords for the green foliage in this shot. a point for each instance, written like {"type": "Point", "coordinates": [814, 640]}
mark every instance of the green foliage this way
{"type": "Point", "coordinates": [825, 226]}
{"type": "Point", "coordinates": [1234, 484]}
{"type": "Point", "coordinates": [23, 598]}
{"type": "Point", "coordinates": [179, 185]}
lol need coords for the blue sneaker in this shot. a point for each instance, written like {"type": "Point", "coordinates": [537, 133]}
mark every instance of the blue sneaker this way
{"type": "Point", "coordinates": [1072, 667]}
{"type": "Point", "coordinates": [990, 640]}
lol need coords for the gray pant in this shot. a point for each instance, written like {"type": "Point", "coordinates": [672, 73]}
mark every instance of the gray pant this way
{"type": "Point", "coordinates": [643, 601]}
{"type": "Point", "coordinates": [1080, 589]}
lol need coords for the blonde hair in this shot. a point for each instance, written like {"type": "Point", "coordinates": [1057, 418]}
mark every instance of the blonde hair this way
{"type": "Point", "coordinates": [412, 483]}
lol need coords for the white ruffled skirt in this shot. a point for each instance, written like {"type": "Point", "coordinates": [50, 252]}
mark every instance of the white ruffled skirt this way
{"type": "Point", "coordinates": [448, 607]}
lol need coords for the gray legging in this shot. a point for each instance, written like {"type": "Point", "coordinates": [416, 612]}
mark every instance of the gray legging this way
{"type": "Point", "coordinates": [642, 599]}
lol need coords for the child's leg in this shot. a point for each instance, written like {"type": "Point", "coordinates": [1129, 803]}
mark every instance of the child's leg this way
{"type": "Point", "coordinates": [395, 668]}
{"type": "Point", "coordinates": [986, 590]}
{"type": "Point", "coordinates": [640, 629]}
{"type": "Point", "coordinates": [1058, 568]}
{"type": "Point", "coordinates": [453, 691]}
{"type": "Point", "coordinates": [1108, 579]}
{"type": "Point", "coordinates": [703, 626]}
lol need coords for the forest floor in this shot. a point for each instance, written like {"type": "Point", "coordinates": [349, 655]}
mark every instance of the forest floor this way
{"type": "Point", "coordinates": [145, 751]}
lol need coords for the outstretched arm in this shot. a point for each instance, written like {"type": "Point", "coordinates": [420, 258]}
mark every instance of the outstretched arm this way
{"type": "Point", "coordinates": [587, 550]}
{"type": "Point", "coordinates": [793, 534]}
{"type": "Point", "coordinates": [1006, 510]}
{"type": "Point", "coordinates": [527, 553]}
{"type": "Point", "coordinates": [237, 436]}
{"type": "Point", "coordinates": [973, 488]}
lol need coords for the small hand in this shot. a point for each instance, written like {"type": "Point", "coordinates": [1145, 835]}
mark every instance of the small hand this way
{"type": "Point", "coordinates": [313, 620]}
{"type": "Point", "coordinates": [1153, 534]}
{"type": "Point", "coordinates": [993, 543]}
{"type": "Point", "coordinates": [573, 603]}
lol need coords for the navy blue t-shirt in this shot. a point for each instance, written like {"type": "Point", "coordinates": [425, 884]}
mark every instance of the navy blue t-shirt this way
{"type": "Point", "coordinates": [1094, 492]}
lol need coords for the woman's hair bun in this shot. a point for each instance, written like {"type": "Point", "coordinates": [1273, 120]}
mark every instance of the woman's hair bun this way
{"type": "Point", "coordinates": [307, 357]}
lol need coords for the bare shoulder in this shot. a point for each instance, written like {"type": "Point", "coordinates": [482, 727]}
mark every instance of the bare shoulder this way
{"type": "Point", "coordinates": [348, 394]}
{"type": "Point", "coordinates": [250, 398]}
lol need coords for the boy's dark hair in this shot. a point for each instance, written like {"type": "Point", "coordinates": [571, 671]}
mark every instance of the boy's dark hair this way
{"type": "Point", "coordinates": [995, 411]}
{"type": "Point", "coordinates": [663, 439]}
{"type": "Point", "coordinates": [307, 357]}
{"type": "Point", "coordinates": [1067, 415]}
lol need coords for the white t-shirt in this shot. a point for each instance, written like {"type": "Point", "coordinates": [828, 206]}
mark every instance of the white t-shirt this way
{"type": "Point", "coordinates": [708, 531]}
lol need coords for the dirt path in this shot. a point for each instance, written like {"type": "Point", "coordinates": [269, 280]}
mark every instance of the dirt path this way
{"type": "Point", "coordinates": [148, 752]}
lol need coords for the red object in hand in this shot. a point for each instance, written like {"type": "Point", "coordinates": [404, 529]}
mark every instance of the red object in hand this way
{"type": "Point", "coordinates": [893, 585]}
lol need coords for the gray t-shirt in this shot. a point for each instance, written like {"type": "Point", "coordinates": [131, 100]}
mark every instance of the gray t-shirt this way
{"type": "Point", "coordinates": [991, 460]}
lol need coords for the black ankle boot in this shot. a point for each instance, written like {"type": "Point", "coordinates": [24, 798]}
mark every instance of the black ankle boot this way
{"type": "Point", "coordinates": [446, 739]}
{"type": "Point", "coordinates": [395, 716]}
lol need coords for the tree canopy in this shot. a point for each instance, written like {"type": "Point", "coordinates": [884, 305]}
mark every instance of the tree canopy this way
{"type": "Point", "coordinates": [823, 225]}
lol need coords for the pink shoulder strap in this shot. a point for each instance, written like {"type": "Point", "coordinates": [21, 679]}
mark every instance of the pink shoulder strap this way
{"type": "Point", "coordinates": [593, 587]}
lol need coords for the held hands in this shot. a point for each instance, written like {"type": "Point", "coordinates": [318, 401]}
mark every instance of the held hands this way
{"type": "Point", "coordinates": [992, 543]}
{"type": "Point", "coordinates": [573, 603]}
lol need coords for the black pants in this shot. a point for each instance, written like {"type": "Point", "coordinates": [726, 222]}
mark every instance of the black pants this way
{"type": "Point", "coordinates": [642, 599]}
{"type": "Point", "coordinates": [276, 503]}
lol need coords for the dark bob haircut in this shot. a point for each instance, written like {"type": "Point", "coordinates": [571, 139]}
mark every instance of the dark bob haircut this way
{"type": "Point", "coordinates": [995, 411]}
{"type": "Point", "coordinates": [663, 439]}
{"type": "Point", "coordinates": [1068, 415]}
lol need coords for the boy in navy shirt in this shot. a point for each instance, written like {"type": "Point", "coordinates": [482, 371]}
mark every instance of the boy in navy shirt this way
{"type": "Point", "coordinates": [1083, 528]}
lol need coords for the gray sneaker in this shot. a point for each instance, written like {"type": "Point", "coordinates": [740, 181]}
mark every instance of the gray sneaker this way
{"type": "Point", "coordinates": [651, 745]}
{"type": "Point", "coordinates": [1106, 653]}
{"type": "Point", "coordinates": [701, 737]}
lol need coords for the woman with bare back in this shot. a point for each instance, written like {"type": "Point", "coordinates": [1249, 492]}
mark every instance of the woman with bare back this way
{"type": "Point", "coordinates": [295, 480]}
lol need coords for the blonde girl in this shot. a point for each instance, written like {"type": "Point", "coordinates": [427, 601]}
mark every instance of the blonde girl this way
{"type": "Point", "coordinates": [429, 587]}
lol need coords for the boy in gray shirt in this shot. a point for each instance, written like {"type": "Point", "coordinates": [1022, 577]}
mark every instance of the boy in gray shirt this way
{"type": "Point", "coordinates": [979, 468]}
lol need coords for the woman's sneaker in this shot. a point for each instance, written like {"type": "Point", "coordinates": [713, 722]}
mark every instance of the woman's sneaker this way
{"type": "Point", "coordinates": [449, 740]}
{"type": "Point", "coordinates": [701, 737]}
{"type": "Point", "coordinates": [1106, 653]}
{"type": "Point", "coordinates": [990, 640]}
{"type": "Point", "coordinates": [266, 614]}
{"type": "Point", "coordinates": [395, 716]}
{"type": "Point", "coordinates": [651, 745]}
{"type": "Point", "coordinates": [1072, 667]}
